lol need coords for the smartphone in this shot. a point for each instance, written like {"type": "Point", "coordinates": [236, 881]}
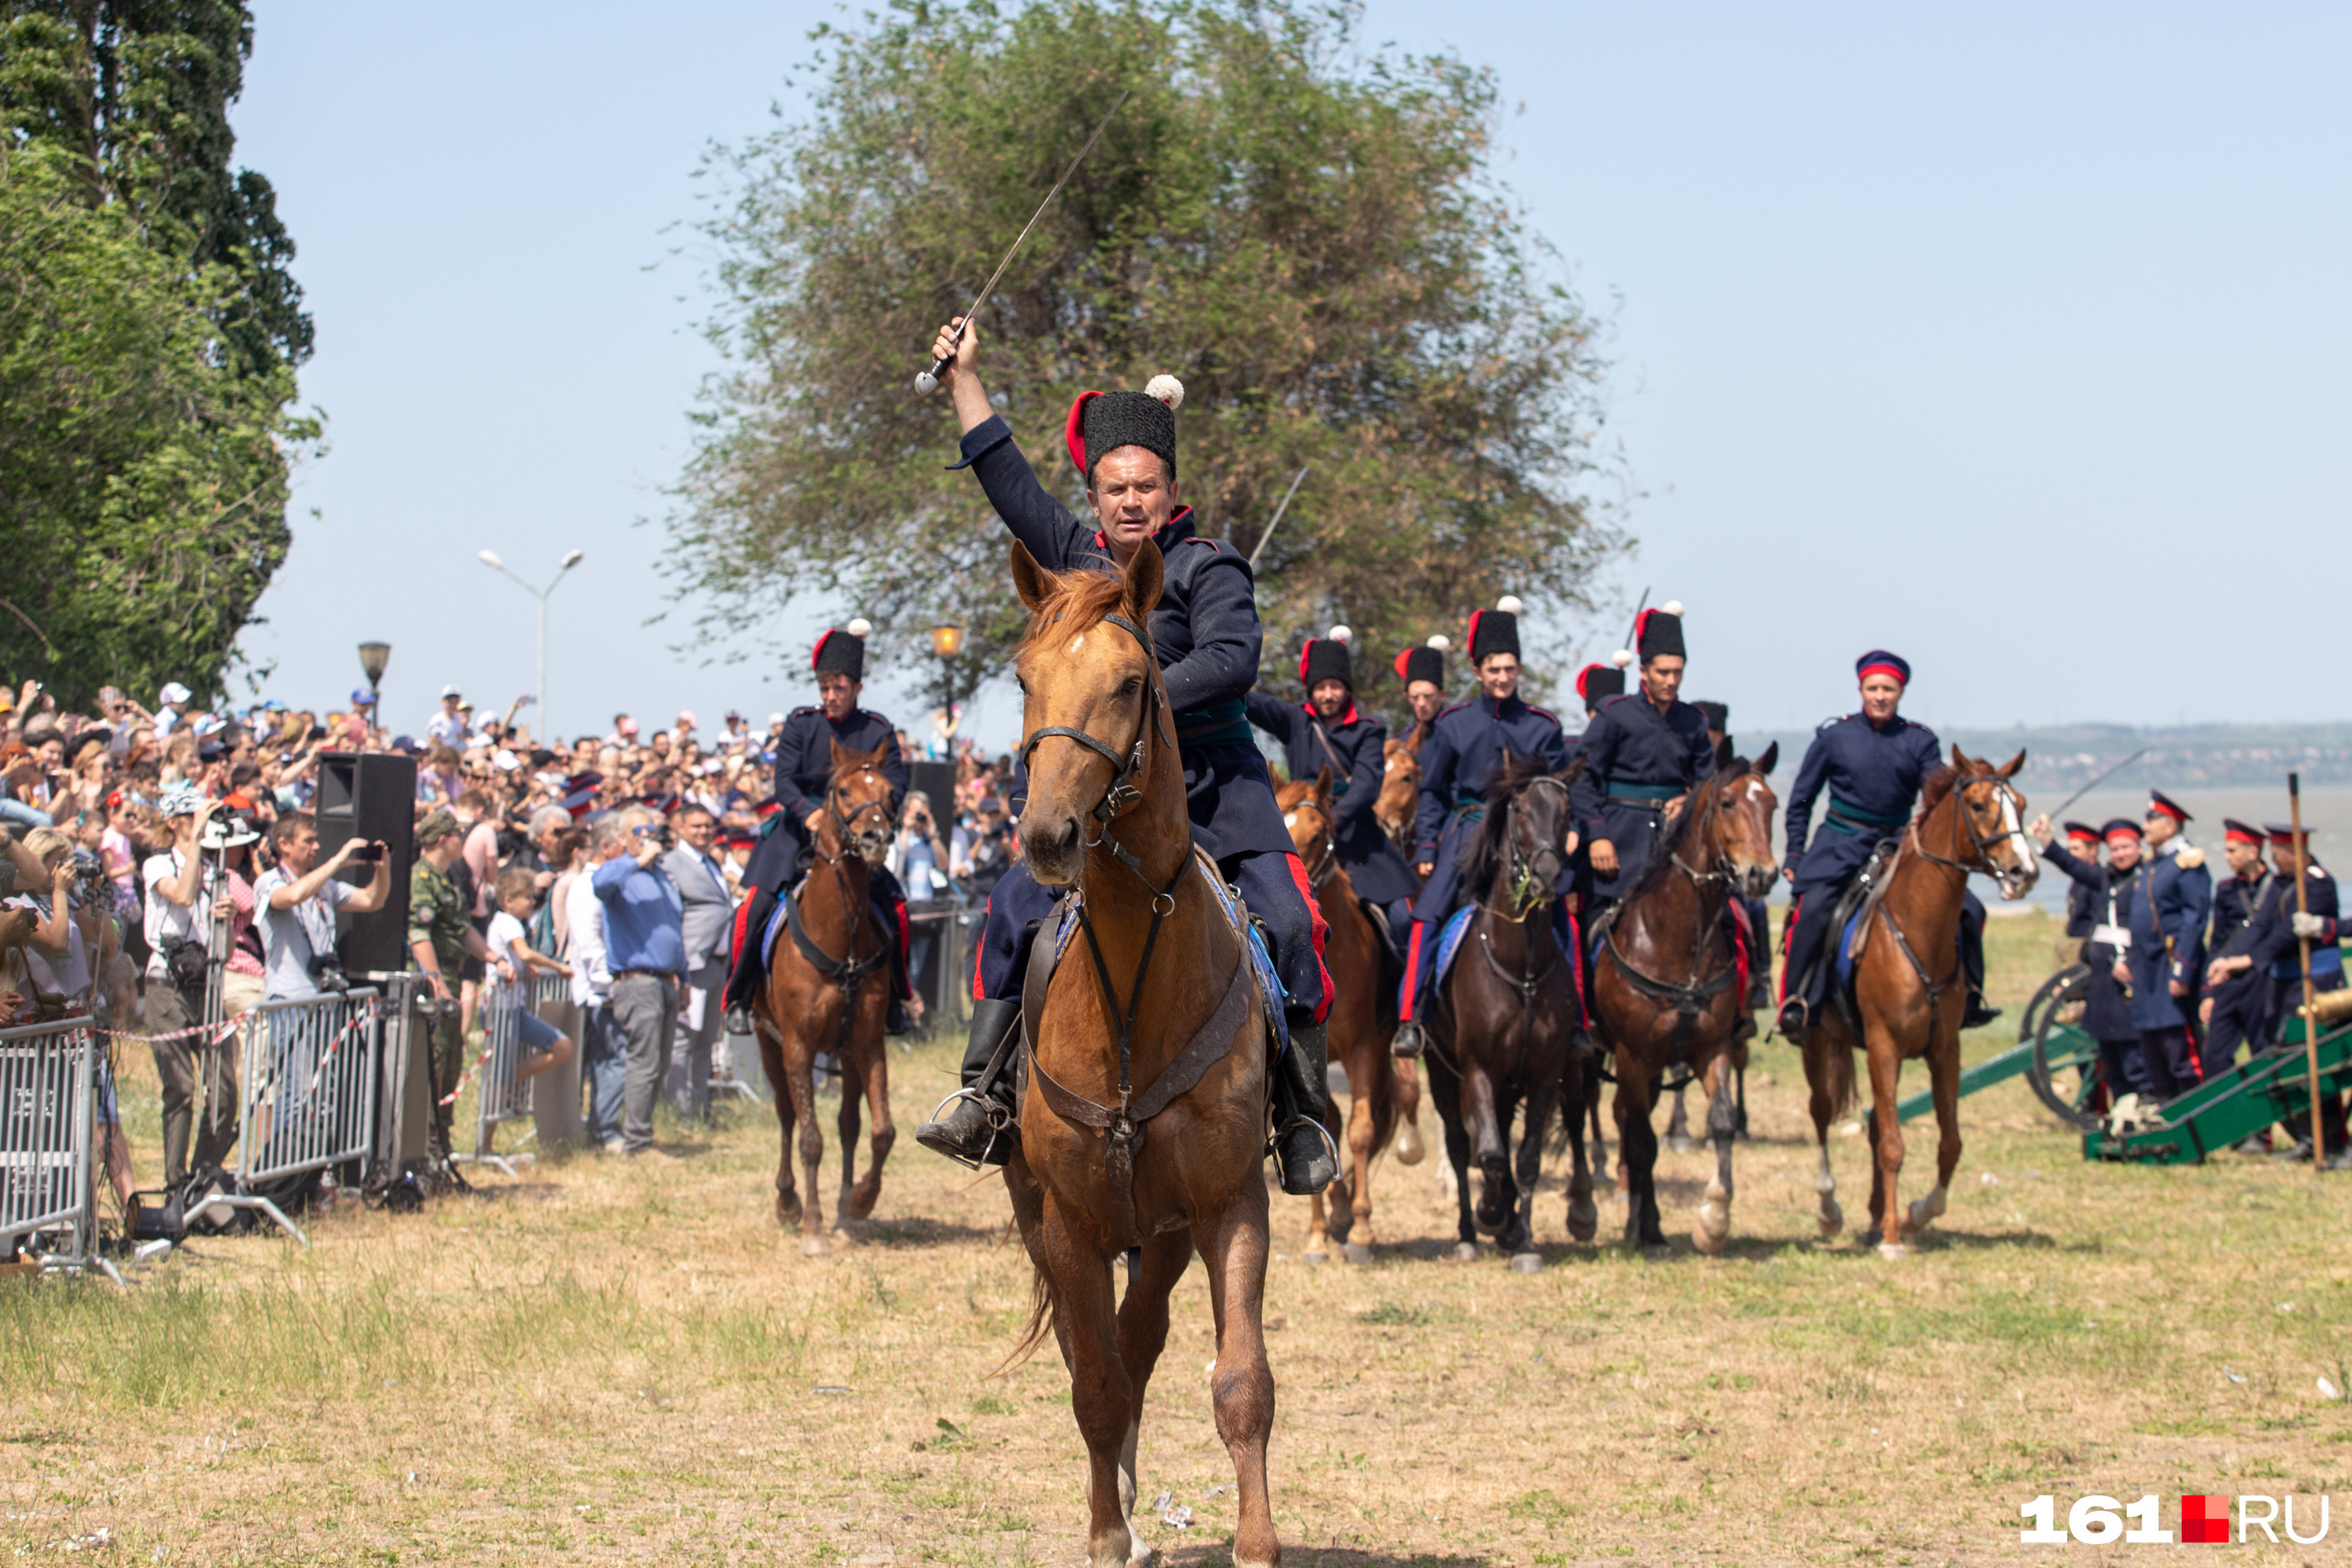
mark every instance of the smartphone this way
{"type": "Point", "coordinates": [368, 852]}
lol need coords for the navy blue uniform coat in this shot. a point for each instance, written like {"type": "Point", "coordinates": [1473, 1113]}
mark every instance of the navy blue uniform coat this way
{"type": "Point", "coordinates": [1635, 759]}
{"type": "Point", "coordinates": [1354, 748]}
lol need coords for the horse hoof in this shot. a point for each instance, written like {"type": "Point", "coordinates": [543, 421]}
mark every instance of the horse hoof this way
{"type": "Point", "coordinates": [1314, 1258]}
{"type": "Point", "coordinates": [1527, 1263]}
{"type": "Point", "coordinates": [1891, 1249]}
{"type": "Point", "coordinates": [1583, 1219]}
{"type": "Point", "coordinates": [1706, 1241]}
{"type": "Point", "coordinates": [1926, 1212]}
{"type": "Point", "coordinates": [1466, 1252]}
{"type": "Point", "coordinates": [1408, 1144]}
{"type": "Point", "coordinates": [1872, 1237]}
{"type": "Point", "coordinates": [1678, 1144]}
{"type": "Point", "coordinates": [814, 1247]}
{"type": "Point", "coordinates": [1358, 1253]}
{"type": "Point", "coordinates": [848, 1232]}
{"type": "Point", "coordinates": [1832, 1219]}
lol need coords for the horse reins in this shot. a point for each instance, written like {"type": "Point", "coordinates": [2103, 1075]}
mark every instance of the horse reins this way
{"type": "Point", "coordinates": [850, 971]}
{"type": "Point", "coordinates": [1689, 999]}
{"type": "Point", "coordinates": [1978, 844]}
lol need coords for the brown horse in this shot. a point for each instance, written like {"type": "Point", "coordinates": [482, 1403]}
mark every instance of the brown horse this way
{"type": "Point", "coordinates": [1399, 796]}
{"type": "Point", "coordinates": [1908, 988]}
{"type": "Point", "coordinates": [828, 990]}
{"type": "Point", "coordinates": [1503, 1024]}
{"type": "Point", "coordinates": [1143, 1116]}
{"type": "Point", "coordinates": [1667, 987]}
{"type": "Point", "coordinates": [1381, 1090]}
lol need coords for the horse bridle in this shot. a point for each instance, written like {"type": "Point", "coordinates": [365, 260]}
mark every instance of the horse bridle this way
{"type": "Point", "coordinates": [1520, 870]}
{"type": "Point", "coordinates": [1690, 999]}
{"type": "Point", "coordinates": [1328, 863]}
{"type": "Point", "coordinates": [841, 825]}
{"type": "Point", "coordinates": [1977, 843]}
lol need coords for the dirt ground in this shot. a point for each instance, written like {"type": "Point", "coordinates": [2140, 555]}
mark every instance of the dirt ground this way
{"type": "Point", "coordinates": [607, 1361]}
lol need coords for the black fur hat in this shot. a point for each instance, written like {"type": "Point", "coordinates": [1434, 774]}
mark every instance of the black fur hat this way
{"type": "Point", "coordinates": [1103, 421]}
{"type": "Point", "coordinates": [842, 650]}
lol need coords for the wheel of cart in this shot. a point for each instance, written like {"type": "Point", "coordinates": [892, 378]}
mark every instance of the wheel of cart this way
{"type": "Point", "coordinates": [2059, 1044]}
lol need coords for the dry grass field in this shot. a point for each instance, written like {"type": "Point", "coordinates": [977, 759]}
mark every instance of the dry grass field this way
{"type": "Point", "coordinates": [626, 1362]}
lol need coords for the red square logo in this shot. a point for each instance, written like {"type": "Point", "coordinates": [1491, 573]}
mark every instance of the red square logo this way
{"type": "Point", "coordinates": [2205, 1521]}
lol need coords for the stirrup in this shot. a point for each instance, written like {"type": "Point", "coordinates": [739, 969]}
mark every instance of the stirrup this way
{"type": "Point", "coordinates": [1409, 1041]}
{"type": "Point", "coordinates": [1330, 1146]}
{"type": "Point", "coordinates": [1001, 1121]}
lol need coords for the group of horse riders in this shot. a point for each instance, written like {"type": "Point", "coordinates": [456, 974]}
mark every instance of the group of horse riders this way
{"type": "Point", "coordinates": [1644, 752]}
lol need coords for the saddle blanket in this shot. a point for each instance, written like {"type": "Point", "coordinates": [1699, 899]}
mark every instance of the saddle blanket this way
{"type": "Point", "coordinates": [777, 925]}
{"type": "Point", "coordinates": [1457, 925]}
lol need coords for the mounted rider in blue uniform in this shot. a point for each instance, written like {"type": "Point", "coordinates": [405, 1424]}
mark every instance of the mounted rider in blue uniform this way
{"type": "Point", "coordinates": [1467, 746]}
{"type": "Point", "coordinates": [1873, 764]}
{"type": "Point", "coordinates": [803, 774]}
{"type": "Point", "coordinates": [1754, 927]}
{"type": "Point", "coordinates": [1422, 670]}
{"type": "Point", "coordinates": [1206, 636]}
{"type": "Point", "coordinates": [1327, 730]}
{"type": "Point", "coordinates": [1643, 753]}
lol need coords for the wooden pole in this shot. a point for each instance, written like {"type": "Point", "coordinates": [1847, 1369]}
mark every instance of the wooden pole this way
{"type": "Point", "coordinates": [2303, 946]}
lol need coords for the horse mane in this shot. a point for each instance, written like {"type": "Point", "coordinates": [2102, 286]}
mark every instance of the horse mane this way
{"type": "Point", "coordinates": [1935, 787]}
{"type": "Point", "coordinates": [1085, 597]}
{"type": "Point", "coordinates": [1678, 837]}
{"type": "Point", "coordinates": [1486, 854]}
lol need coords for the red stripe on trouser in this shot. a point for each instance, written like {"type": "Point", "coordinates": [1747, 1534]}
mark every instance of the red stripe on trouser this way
{"type": "Point", "coordinates": [1316, 926]}
{"type": "Point", "coordinates": [1412, 974]}
{"type": "Point", "coordinates": [1576, 967]}
{"type": "Point", "coordinates": [742, 919]}
{"type": "Point", "coordinates": [905, 946]}
{"type": "Point", "coordinates": [1788, 939]}
{"type": "Point", "coordinates": [979, 953]}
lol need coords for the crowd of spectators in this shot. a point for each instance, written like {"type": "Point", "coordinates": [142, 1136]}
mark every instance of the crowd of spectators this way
{"type": "Point", "coordinates": [108, 911]}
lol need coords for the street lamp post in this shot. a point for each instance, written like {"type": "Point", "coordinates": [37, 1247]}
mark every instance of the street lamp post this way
{"type": "Point", "coordinates": [373, 657]}
{"type": "Point", "coordinates": [947, 642]}
{"type": "Point", "coordinates": [570, 558]}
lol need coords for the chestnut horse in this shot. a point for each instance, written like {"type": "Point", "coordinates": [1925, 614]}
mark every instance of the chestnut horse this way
{"type": "Point", "coordinates": [1143, 1111]}
{"type": "Point", "coordinates": [1503, 1025]}
{"type": "Point", "coordinates": [1381, 1090]}
{"type": "Point", "coordinates": [1666, 987]}
{"type": "Point", "coordinates": [828, 990]}
{"type": "Point", "coordinates": [1400, 797]}
{"type": "Point", "coordinates": [1908, 987]}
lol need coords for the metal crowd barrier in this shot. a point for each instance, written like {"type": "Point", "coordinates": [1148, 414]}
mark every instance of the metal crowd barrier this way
{"type": "Point", "coordinates": [503, 1096]}
{"type": "Point", "coordinates": [48, 1135]}
{"type": "Point", "coordinates": [308, 1092]}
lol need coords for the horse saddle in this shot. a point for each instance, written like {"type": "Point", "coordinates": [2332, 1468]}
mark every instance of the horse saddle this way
{"type": "Point", "coordinates": [785, 916]}
{"type": "Point", "coordinates": [1391, 960]}
{"type": "Point", "coordinates": [1850, 918]}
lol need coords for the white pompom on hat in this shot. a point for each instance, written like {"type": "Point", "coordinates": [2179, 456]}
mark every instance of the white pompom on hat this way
{"type": "Point", "coordinates": [1621, 657]}
{"type": "Point", "coordinates": [1509, 605]}
{"type": "Point", "coordinates": [859, 626]}
{"type": "Point", "coordinates": [1167, 389]}
{"type": "Point", "coordinates": [1440, 641]}
{"type": "Point", "coordinates": [1671, 606]}
{"type": "Point", "coordinates": [1341, 633]}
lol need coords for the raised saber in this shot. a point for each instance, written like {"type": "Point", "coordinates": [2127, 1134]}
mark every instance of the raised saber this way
{"type": "Point", "coordinates": [1296, 480]}
{"type": "Point", "coordinates": [929, 381]}
{"type": "Point", "coordinates": [2100, 780]}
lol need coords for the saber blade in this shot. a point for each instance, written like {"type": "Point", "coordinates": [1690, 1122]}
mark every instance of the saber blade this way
{"type": "Point", "coordinates": [929, 381]}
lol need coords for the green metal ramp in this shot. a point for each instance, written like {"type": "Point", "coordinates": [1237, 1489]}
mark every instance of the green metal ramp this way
{"type": "Point", "coordinates": [2235, 1104]}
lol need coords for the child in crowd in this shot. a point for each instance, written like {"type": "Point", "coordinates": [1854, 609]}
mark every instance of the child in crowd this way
{"type": "Point", "coordinates": [543, 1046]}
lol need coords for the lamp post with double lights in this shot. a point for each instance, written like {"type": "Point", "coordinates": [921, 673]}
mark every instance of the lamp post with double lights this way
{"type": "Point", "coordinates": [570, 558]}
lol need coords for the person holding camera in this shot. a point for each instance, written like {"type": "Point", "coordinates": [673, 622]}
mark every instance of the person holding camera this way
{"type": "Point", "coordinates": [177, 962]}
{"type": "Point", "coordinates": [298, 898]}
{"type": "Point", "coordinates": [644, 947]}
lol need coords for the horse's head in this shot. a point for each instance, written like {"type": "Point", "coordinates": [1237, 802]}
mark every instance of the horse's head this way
{"type": "Point", "coordinates": [1736, 807]}
{"type": "Point", "coordinates": [1088, 681]}
{"type": "Point", "coordinates": [857, 806]}
{"type": "Point", "coordinates": [1314, 827]}
{"type": "Point", "coordinates": [1400, 795]}
{"type": "Point", "coordinates": [1988, 835]}
{"type": "Point", "coordinates": [1527, 837]}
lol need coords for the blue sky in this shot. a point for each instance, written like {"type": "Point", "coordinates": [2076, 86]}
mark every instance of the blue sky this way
{"type": "Point", "coordinates": [2014, 338]}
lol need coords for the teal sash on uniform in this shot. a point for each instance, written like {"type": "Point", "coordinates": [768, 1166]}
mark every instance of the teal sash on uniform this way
{"type": "Point", "coordinates": [1650, 793]}
{"type": "Point", "coordinates": [1216, 725]}
{"type": "Point", "coordinates": [1850, 819]}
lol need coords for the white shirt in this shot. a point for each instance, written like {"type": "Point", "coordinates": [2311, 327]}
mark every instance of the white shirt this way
{"type": "Point", "coordinates": [583, 913]}
{"type": "Point", "coordinates": [167, 921]}
{"type": "Point", "coordinates": [292, 937]}
{"type": "Point", "coordinates": [506, 934]}
{"type": "Point", "coordinates": [448, 728]}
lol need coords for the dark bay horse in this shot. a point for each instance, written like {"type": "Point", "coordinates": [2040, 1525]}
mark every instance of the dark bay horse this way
{"type": "Point", "coordinates": [829, 990]}
{"type": "Point", "coordinates": [1907, 985]}
{"type": "Point", "coordinates": [1503, 1024]}
{"type": "Point", "coordinates": [1383, 1092]}
{"type": "Point", "coordinates": [1143, 1112]}
{"type": "Point", "coordinates": [1666, 987]}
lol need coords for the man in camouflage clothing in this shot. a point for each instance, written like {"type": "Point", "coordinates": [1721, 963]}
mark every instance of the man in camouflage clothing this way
{"type": "Point", "coordinates": [439, 937]}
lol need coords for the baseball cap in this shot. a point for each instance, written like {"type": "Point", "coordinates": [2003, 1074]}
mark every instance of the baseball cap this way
{"type": "Point", "coordinates": [450, 691]}
{"type": "Point", "coordinates": [506, 762]}
{"type": "Point", "coordinates": [176, 692]}
{"type": "Point", "coordinates": [362, 697]}
{"type": "Point", "coordinates": [182, 800]}
{"type": "Point", "coordinates": [774, 720]}
{"type": "Point", "coordinates": [626, 727]}
{"type": "Point", "coordinates": [686, 719]}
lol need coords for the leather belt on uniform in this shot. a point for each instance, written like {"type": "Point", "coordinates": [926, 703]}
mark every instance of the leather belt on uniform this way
{"type": "Point", "coordinates": [1643, 793]}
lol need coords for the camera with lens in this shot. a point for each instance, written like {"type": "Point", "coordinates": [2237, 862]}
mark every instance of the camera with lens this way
{"type": "Point", "coordinates": [91, 886]}
{"type": "Point", "coordinates": [327, 972]}
{"type": "Point", "coordinates": [660, 833]}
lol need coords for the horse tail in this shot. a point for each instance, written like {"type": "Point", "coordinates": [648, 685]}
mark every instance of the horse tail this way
{"type": "Point", "coordinates": [1033, 1333]}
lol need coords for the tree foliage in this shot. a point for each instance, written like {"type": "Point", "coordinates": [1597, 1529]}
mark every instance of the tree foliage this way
{"type": "Point", "coordinates": [1311, 239]}
{"type": "Point", "coordinates": [149, 335]}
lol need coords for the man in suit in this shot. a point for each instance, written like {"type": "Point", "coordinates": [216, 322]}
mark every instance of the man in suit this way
{"type": "Point", "coordinates": [708, 918]}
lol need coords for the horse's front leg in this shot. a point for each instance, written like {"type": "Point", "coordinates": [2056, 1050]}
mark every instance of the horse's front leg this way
{"type": "Point", "coordinates": [1678, 1140]}
{"type": "Point", "coordinates": [771, 1063]}
{"type": "Point", "coordinates": [1102, 1397]}
{"type": "Point", "coordinates": [1886, 1144]}
{"type": "Point", "coordinates": [1825, 1076]}
{"type": "Point", "coordinates": [811, 1146]}
{"type": "Point", "coordinates": [1713, 1222]}
{"type": "Point", "coordinates": [1360, 1119]}
{"type": "Point", "coordinates": [1944, 1085]}
{"type": "Point", "coordinates": [1637, 1153]}
{"type": "Point", "coordinates": [876, 1072]}
{"type": "Point", "coordinates": [1240, 1384]}
{"type": "Point", "coordinates": [1404, 1082]}
{"type": "Point", "coordinates": [1583, 1215]}
{"type": "Point", "coordinates": [1445, 1093]}
{"type": "Point", "coordinates": [1542, 1095]}
{"type": "Point", "coordinates": [847, 1126]}
{"type": "Point", "coordinates": [1482, 1121]}
{"type": "Point", "coordinates": [1142, 1335]}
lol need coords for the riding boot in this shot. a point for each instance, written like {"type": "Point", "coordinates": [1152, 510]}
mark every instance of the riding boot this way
{"type": "Point", "coordinates": [1303, 1154]}
{"type": "Point", "coordinates": [1407, 1041]}
{"type": "Point", "coordinates": [743, 980]}
{"type": "Point", "coordinates": [1972, 964]}
{"type": "Point", "coordinates": [896, 1021]}
{"type": "Point", "coordinates": [977, 1127]}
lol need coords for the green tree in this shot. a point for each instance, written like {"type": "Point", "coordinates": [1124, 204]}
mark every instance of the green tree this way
{"type": "Point", "coordinates": [1311, 240]}
{"type": "Point", "coordinates": [149, 336]}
